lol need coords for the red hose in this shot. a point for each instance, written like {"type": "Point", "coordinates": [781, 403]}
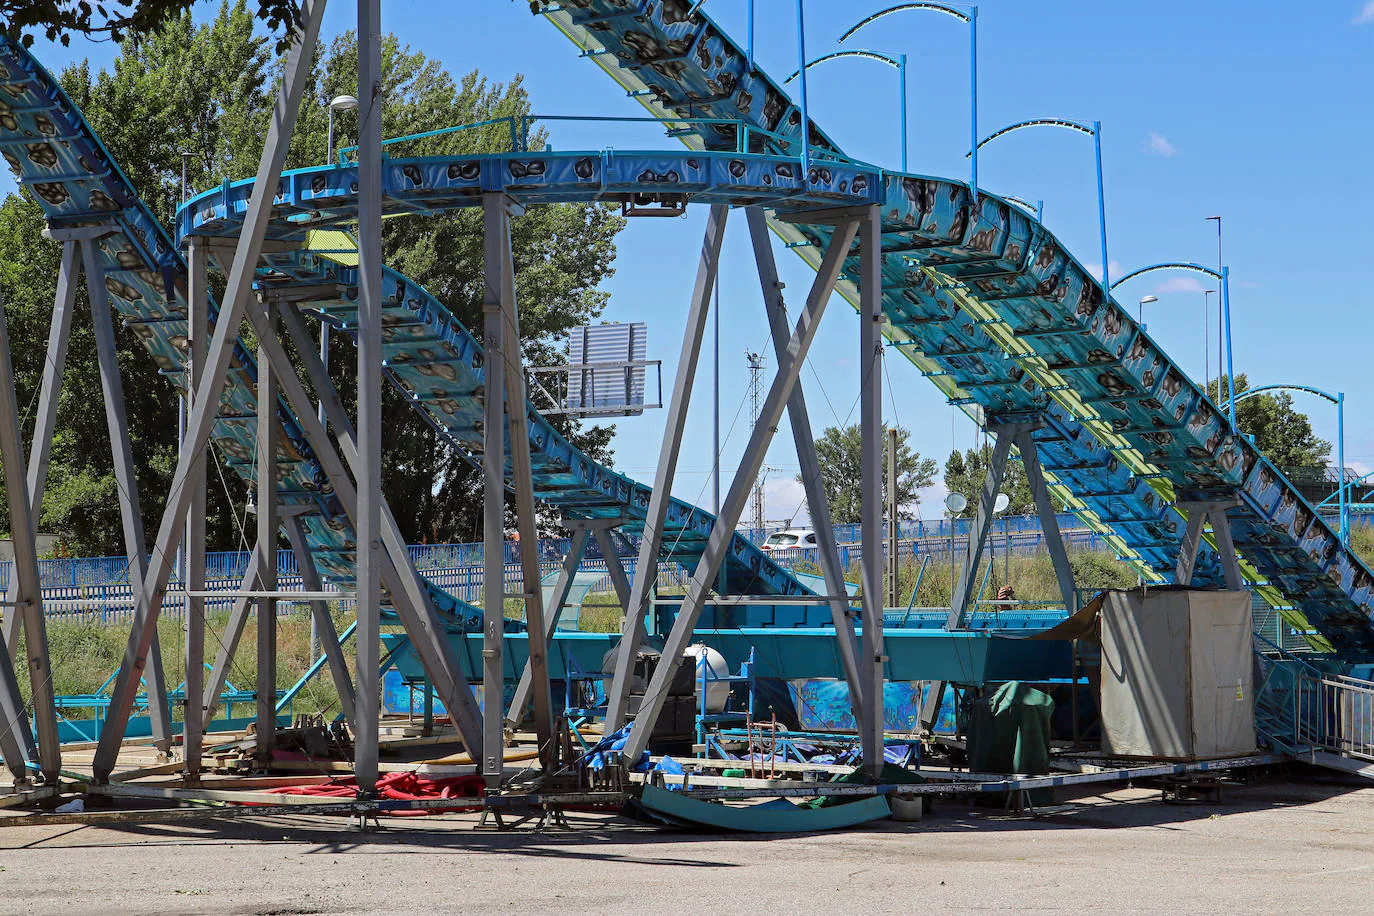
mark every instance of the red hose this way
{"type": "Point", "coordinates": [399, 787]}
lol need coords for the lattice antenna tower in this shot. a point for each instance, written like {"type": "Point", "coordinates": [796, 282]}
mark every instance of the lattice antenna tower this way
{"type": "Point", "coordinates": [756, 363]}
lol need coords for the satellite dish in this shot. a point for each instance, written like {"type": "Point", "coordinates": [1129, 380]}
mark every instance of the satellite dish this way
{"type": "Point", "coordinates": [1000, 506]}
{"type": "Point", "coordinates": [956, 503]}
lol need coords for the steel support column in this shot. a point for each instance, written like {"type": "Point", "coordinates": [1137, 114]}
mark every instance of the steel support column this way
{"type": "Point", "coordinates": [493, 489]}
{"type": "Point", "coordinates": [130, 506]}
{"type": "Point", "coordinates": [296, 74]}
{"type": "Point", "coordinates": [553, 611]}
{"type": "Point", "coordinates": [266, 481]}
{"type": "Point", "coordinates": [646, 567]}
{"type": "Point", "coordinates": [982, 525]}
{"type": "Point", "coordinates": [1199, 513]}
{"type": "Point", "coordinates": [827, 551]}
{"type": "Point", "coordinates": [29, 591]}
{"type": "Point", "coordinates": [45, 418]}
{"type": "Point", "coordinates": [194, 712]}
{"type": "Point", "coordinates": [724, 528]}
{"type": "Point", "coordinates": [614, 568]}
{"type": "Point", "coordinates": [522, 482]}
{"type": "Point", "coordinates": [871, 484]}
{"type": "Point", "coordinates": [1049, 523]}
{"type": "Point", "coordinates": [409, 592]}
{"type": "Point", "coordinates": [322, 622]}
{"type": "Point", "coordinates": [973, 557]}
{"type": "Point", "coordinates": [369, 470]}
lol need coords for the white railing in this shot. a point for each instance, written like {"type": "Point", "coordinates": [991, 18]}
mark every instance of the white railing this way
{"type": "Point", "coordinates": [1335, 713]}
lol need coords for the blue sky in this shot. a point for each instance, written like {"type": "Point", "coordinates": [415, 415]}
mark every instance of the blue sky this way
{"type": "Point", "coordinates": [1217, 108]}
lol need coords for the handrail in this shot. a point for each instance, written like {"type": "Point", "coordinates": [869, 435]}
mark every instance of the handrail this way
{"type": "Point", "coordinates": [423, 135]}
{"type": "Point", "coordinates": [520, 141]}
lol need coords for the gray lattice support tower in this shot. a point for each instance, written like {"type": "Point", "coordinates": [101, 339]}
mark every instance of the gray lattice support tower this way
{"type": "Point", "coordinates": [1007, 433]}
{"type": "Point", "coordinates": [724, 528]}
{"type": "Point", "coordinates": [646, 568]}
{"type": "Point", "coordinates": [45, 417]}
{"type": "Point", "coordinates": [871, 483]}
{"type": "Point", "coordinates": [408, 592]}
{"type": "Point", "coordinates": [266, 480]}
{"type": "Point", "coordinates": [194, 711]}
{"type": "Point", "coordinates": [522, 482]}
{"type": "Point", "coordinates": [28, 594]}
{"type": "Point", "coordinates": [130, 505]}
{"type": "Point", "coordinates": [1200, 512]}
{"type": "Point", "coordinates": [1049, 523]}
{"type": "Point", "coordinates": [367, 639]}
{"type": "Point", "coordinates": [493, 492]}
{"type": "Point", "coordinates": [818, 506]}
{"type": "Point", "coordinates": [200, 422]}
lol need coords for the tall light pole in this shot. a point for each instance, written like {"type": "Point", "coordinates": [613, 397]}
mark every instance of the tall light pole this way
{"type": "Point", "coordinates": [1140, 309]}
{"type": "Point", "coordinates": [1095, 130]}
{"type": "Point", "coordinates": [971, 19]}
{"type": "Point", "coordinates": [340, 103]}
{"type": "Point", "coordinates": [1206, 342]}
{"type": "Point", "coordinates": [1220, 363]}
{"type": "Point", "coordinates": [898, 62]}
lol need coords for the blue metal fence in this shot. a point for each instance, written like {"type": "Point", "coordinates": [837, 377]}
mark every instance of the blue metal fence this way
{"type": "Point", "coordinates": [97, 588]}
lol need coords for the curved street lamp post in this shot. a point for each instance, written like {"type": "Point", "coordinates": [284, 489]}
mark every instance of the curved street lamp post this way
{"type": "Point", "coordinates": [898, 62]}
{"type": "Point", "coordinates": [1339, 400]}
{"type": "Point", "coordinates": [1224, 275]}
{"type": "Point", "coordinates": [971, 18]}
{"type": "Point", "coordinates": [1095, 130]}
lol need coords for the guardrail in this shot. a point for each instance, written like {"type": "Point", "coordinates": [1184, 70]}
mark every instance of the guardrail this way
{"type": "Point", "coordinates": [1335, 713]}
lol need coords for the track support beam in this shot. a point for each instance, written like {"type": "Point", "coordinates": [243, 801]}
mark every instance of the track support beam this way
{"type": "Point", "coordinates": [723, 531]}
{"type": "Point", "coordinates": [646, 567]}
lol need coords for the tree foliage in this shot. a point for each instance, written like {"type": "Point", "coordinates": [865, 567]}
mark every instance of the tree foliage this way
{"type": "Point", "coordinates": [1281, 433]}
{"type": "Point", "coordinates": [206, 90]}
{"type": "Point", "coordinates": [117, 20]}
{"type": "Point", "coordinates": [840, 449]}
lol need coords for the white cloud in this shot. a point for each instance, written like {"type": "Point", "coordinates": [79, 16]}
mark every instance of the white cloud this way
{"type": "Point", "coordinates": [933, 499]}
{"type": "Point", "coordinates": [1159, 144]}
{"type": "Point", "coordinates": [1366, 14]}
{"type": "Point", "coordinates": [783, 495]}
{"type": "Point", "coordinates": [1179, 285]}
{"type": "Point", "coordinates": [1095, 268]}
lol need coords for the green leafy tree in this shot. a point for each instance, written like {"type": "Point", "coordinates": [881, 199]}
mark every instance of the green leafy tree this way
{"type": "Point", "coordinates": [58, 20]}
{"type": "Point", "coordinates": [840, 449]}
{"type": "Point", "coordinates": [206, 90]}
{"type": "Point", "coordinates": [967, 473]}
{"type": "Point", "coordinates": [1282, 434]}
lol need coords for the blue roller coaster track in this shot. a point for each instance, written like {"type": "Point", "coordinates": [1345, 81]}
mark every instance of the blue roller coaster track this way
{"type": "Point", "coordinates": [979, 295]}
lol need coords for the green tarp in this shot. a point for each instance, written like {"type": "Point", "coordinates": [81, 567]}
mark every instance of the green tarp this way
{"type": "Point", "coordinates": [1009, 732]}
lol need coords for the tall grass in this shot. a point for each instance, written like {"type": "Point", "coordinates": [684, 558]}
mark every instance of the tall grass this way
{"type": "Point", "coordinates": [84, 654]}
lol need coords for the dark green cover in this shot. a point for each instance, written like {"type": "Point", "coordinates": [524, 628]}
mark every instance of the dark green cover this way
{"type": "Point", "coordinates": [1009, 732]}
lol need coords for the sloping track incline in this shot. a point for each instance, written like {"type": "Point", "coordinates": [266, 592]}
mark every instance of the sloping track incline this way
{"type": "Point", "coordinates": [994, 310]}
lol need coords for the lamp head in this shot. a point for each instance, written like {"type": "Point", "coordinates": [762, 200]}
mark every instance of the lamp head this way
{"type": "Point", "coordinates": [343, 103]}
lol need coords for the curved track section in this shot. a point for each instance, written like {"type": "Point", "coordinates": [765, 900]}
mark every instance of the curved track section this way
{"type": "Point", "coordinates": [54, 153]}
{"type": "Point", "coordinates": [988, 304]}
{"type": "Point", "coordinates": [430, 355]}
